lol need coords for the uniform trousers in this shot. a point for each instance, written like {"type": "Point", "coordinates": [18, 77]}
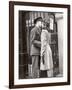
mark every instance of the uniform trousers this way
{"type": "Point", "coordinates": [35, 66]}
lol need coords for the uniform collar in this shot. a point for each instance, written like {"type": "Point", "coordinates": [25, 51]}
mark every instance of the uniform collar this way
{"type": "Point", "coordinates": [38, 29]}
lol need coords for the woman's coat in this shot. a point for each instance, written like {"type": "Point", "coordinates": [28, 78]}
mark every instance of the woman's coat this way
{"type": "Point", "coordinates": [46, 51]}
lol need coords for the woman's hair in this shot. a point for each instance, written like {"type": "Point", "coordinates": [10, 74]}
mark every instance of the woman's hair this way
{"type": "Point", "coordinates": [45, 25]}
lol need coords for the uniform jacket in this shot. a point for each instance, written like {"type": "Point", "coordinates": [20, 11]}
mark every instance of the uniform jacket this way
{"type": "Point", "coordinates": [35, 39]}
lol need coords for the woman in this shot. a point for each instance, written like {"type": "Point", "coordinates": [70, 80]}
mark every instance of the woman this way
{"type": "Point", "coordinates": [46, 62]}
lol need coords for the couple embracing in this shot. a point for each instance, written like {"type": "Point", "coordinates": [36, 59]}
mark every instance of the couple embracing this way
{"type": "Point", "coordinates": [40, 52]}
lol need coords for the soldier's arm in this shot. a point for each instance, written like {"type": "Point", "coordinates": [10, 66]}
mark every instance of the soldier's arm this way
{"type": "Point", "coordinates": [33, 39]}
{"type": "Point", "coordinates": [37, 43]}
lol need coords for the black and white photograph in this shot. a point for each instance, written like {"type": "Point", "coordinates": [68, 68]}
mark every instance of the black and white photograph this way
{"type": "Point", "coordinates": [40, 45]}
{"type": "Point", "coordinates": [40, 50]}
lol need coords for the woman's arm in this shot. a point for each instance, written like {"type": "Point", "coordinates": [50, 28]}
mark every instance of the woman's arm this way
{"type": "Point", "coordinates": [43, 42]}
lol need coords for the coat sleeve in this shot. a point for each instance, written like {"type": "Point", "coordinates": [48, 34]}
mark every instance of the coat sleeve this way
{"type": "Point", "coordinates": [43, 42]}
{"type": "Point", "coordinates": [35, 42]}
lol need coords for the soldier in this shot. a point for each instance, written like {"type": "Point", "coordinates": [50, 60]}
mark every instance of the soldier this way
{"type": "Point", "coordinates": [35, 38]}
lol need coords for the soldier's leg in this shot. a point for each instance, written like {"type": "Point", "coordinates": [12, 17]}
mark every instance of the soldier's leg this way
{"type": "Point", "coordinates": [35, 66]}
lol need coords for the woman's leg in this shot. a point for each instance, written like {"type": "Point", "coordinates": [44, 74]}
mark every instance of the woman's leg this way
{"type": "Point", "coordinates": [50, 73]}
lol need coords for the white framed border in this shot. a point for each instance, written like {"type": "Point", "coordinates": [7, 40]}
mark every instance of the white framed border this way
{"type": "Point", "coordinates": [16, 43]}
